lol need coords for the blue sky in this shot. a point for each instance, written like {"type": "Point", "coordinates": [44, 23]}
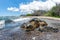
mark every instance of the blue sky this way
{"type": "Point", "coordinates": [9, 7]}
{"type": "Point", "coordinates": [4, 4]}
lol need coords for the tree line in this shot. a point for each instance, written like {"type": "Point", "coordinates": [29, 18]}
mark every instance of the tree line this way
{"type": "Point", "coordinates": [55, 11]}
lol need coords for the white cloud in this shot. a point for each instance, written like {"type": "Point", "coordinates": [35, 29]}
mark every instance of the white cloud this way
{"type": "Point", "coordinates": [56, 1]}
{"type": "Point", "coordinates": [13, 9]}
{"type": "Point", "coordinates": [35, 5]}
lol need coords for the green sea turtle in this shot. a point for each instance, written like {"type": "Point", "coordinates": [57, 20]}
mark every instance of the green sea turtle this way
{"type": "Point", "coordinates": [33, 24]}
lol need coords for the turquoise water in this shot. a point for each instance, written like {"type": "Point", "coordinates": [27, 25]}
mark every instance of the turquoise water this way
{"type": "Point", "coordinates": [8, 17]}
{"type": "Point", "coordinates": [13, 24]}
{"type": "Point", "coordinates": [9, 25]}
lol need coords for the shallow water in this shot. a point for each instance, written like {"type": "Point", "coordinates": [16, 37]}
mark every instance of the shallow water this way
{"type": "Point", "coordinates": [14, 32]}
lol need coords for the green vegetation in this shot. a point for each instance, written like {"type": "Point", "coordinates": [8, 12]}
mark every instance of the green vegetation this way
{"type": "Point", "coordinates": [54, 12]}
{"type": "Point", "coordinates": [29, 15]}
{"type": "Point", "coordinates": [37, 13]}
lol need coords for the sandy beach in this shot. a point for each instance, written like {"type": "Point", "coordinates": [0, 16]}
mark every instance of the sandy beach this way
{"type": "Point", "coordinates": [28, 17]}
{"type": "Point", "coordinates": [14, 32]}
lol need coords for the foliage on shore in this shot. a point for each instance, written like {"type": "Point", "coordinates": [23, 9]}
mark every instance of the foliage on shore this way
{"type": "Point", "coordinates": [29, 15]}
{"type": "Point", "coordinates": [54, 12]}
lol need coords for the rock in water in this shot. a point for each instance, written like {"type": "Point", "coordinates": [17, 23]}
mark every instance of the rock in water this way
{"type": "Point", "coordinates": [8, 21]}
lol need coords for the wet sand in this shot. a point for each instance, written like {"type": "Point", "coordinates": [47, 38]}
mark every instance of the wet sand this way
{"type": "Point", "coordinates": [17, 33]}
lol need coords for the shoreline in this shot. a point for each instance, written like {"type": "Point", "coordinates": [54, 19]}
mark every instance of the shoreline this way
{"type": "Point", "coordinates": [28, 17]}
{"type": "Point", "coordinates": [46, 17]}
{"type": "Point", "coordinates": [22, 18]}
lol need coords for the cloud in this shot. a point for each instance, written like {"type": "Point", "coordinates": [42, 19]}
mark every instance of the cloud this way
{"type": "Point", "coordinates": [12, 9]}
{"type": "Point", "coordinates": [35, 5]}
{"type": "Point", "coordinates": [56, 1]}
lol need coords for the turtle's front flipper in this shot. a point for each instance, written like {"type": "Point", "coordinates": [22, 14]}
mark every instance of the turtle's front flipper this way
{"type": "Point", "coordinates": [55, 30]}
{"type": "Point", "coordinates": [49, 29]}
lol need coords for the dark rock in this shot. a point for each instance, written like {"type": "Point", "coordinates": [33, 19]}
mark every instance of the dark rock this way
{"type": "Point", "coordinates": [8, 21]}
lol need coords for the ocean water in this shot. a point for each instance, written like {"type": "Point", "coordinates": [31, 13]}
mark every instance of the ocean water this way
{"type": "Point", "coordinates": [3, 19]}
{"type": "Point", "coordinates": [14, 24]}
{"type": "Point", "coordinates": [8, 17]}
{"type": "Point", "coordinates": [12, 31]}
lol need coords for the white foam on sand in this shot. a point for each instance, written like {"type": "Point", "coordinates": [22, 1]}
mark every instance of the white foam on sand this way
{"type": "Point", "coordinates": [2, 24]}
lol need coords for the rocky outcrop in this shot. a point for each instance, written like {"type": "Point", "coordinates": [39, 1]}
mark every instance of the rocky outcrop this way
{"type": "Point", "coordinates": [8, 21]}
